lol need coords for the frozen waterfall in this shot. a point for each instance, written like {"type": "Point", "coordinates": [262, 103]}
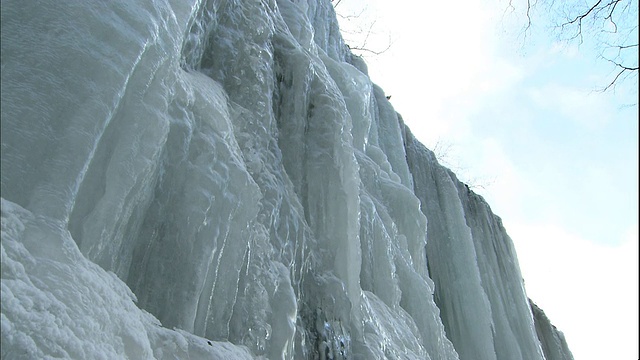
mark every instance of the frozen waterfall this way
{"type": "Point", "coordinates": [220, 179]}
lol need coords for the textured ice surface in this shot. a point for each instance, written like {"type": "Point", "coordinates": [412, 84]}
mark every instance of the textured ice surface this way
{"type": "Point", "coordinates": [479, 288]}
{"type": "Point", "coordinates": [552, 340]}
{"type": "Point", "coordinates": [231, 164]}
{"type": "Point", "coordinates": [56, 303]}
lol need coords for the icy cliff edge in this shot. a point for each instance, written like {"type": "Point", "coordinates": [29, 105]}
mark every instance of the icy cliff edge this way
{"type": "Point", "coordinates": [220, 178]}
{"type": "Point", "coordinates": [553, 342]}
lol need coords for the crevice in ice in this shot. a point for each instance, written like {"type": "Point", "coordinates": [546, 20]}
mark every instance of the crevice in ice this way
{"type": "Point", "coordinates": [202, 22]}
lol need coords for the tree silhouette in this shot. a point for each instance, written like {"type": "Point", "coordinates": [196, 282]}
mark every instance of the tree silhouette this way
{"type": "Point", "coordinates": [611, 24]}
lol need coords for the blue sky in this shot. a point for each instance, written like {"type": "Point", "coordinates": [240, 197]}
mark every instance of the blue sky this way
{"type": "Point", "coordinates": [523, 119]}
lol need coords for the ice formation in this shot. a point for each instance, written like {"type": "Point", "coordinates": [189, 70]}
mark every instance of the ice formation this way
{"type": "Point", "coordinates": [221, 179]}
{"type": "Point", "coordinates": [552, 340]}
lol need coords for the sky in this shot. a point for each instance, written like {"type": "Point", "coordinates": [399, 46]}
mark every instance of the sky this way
{"type": "Point", "coordinates": [519, 117]}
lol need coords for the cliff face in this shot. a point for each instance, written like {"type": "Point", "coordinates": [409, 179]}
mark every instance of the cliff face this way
{"type": "Point", "coordinates": [235, 168]}
{"type": "Point", "coordinates": [479, 287]}
{"type": "Point", "coordinates": [552, 340]}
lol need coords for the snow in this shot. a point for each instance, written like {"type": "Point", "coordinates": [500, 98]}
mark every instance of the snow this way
{"type": "Point", "coordinates": [221, 179]}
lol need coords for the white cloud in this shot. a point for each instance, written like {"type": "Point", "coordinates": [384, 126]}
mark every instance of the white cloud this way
{"type": "Point", "coordinates": [559, 48]}
{"type": "Point", "coordinates": [589, 291]}
{"type": "Point", "coordinates": [440, 54]}
{"type": "Point", "coordinates": [583, 107]}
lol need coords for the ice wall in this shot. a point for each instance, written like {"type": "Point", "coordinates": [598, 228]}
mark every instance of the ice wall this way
{"type": "Point", "coordinates": [57, 304]}
{"type": "Point", "coordinates": [226, 169]}
{"type": "Point", "coordinates": [552, 340]}
{"type": "Point", "coordinates": [479, 288]}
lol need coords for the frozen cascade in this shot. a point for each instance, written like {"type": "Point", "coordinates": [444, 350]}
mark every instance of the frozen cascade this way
{"type": "Point", "coordinates": [479, 287]}
{"type": "Point", "coordinates": [220, 179]}
{"type": "Point", "coordinates": [553, 342]}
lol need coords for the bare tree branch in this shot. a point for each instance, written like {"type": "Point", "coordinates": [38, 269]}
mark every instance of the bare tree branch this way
{"type": "Point", "coordinates": [622, 66]}
{"type": "Point", "coordinates": [578, 19]}
{"type": "Point", "coordinates": [360, 35]}
{"type": "Point", "coordinates": [610, 16]}
{"type": "Point", "coordinates": [528, 16]}
{"type": "Point", "coordinates": [623, 70]}
{"type": "Point", "coordinates": [349, 17]}
{"type": "Point", "coordinates": [602, 23]}
{"type": "Point", "coordinates": [358, 48]}
{"type": "Point", "coordinates": [613, 82]}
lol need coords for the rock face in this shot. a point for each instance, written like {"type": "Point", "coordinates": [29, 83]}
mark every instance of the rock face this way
{"type": "Point", "coordinates": [226, 169]}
